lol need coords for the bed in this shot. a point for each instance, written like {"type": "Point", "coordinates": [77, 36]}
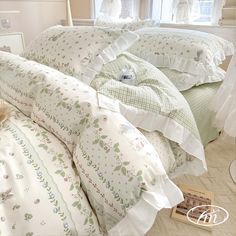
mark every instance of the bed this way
{"type": "Point", "coordinates": [75, 133]}
{"type": "Point", "coordinates": [57, 133]}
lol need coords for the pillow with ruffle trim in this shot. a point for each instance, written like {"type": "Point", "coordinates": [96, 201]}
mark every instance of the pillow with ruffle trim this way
{"type": "Point", "coordinates": [79, 51]}
{"type": "Point", "coordinates": [184, 81]}
{"type": "Point", "coordinates": [120, 172]}
{"type": "Point", "coordinates": [151, 102]}
{"type": "Point", "coordinates": [190, 51]}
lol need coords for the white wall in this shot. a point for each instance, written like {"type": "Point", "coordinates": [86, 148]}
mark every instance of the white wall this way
{"type": "Point", "coordinates": [35, 15]}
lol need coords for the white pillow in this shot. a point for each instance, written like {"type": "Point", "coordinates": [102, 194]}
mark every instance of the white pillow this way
{"type": "Point", "coordinates": [184, 81]}
{"type": "Point", "coordinates": [73, 49]}
{"type": "Point", "coordinates": [194, 52]}
{"type": "Point", "coordinates": [129, 24]}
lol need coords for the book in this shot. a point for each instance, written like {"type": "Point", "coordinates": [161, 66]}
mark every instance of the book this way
{"type": "Point", "coordinates": [196, 207]}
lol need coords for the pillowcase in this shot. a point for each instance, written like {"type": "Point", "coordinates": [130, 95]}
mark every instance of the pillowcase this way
{"type": "Point", "coordinates": [128, 24]}
{"type": "Point", "coordinates": [151, 102]}
{"type": "Point", "coordinates": [73, 50]}
{"type": "Point", "coordinates": [194, 52]}
{"type": "Point", "coordinates": [109, 153]}
{"type": "Point", "coordinates": [184, 81]}
{"type": "Point", "coordinates": [20, 80]}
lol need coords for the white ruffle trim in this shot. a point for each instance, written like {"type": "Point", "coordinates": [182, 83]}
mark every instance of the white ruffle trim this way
{"type": "Point", "coordinates": [181, 64]}
{"type": "Point", "coordinates": [189, 65]}
{"type": "Point", "coordinates": [109, 54]}
{"type": "Point", "coordinates": [220, 55]}
{"type": "Point", "coordinates": [168, 127]}
{"type": "Point", "coordinates": [140, 218]}
{"type": "Point", "coordinates": [184, 81]}
{"type": "Point", "coordinates": [219, 75]}
{"type": "Point", "coordinates": [177, 63]}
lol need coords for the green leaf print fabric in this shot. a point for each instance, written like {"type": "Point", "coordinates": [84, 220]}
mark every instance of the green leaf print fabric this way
{"type": "Point", "coordinates": [117, 165]}
{"type": "Point", "coordinates": [120, 171]}
{"type": "Point", "coordinates": [79, 51]}
{"type": "Point", "coordinates": [191, 51]}
{"type": "Point", "coordinates": [20, 79]}
{"type": "Point", "coordinates": [40, 189]}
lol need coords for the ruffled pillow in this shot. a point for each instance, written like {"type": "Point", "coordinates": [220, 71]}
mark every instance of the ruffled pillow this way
{"type": "Point", "coordinates": [73, 50]}
{"type": "Point", "coordinates": [109, 153]}
{"type": "Point", "coordinates": [151, 103]}
{"type": "Point", "coordinates": [184, 81]}
{"type": "Point", "coordinates": [189, 51]}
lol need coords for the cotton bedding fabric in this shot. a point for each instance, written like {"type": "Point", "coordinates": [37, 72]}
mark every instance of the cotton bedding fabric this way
{"type": "Point", "coordinates": [152, 103]}
{"type": "Point", "coordinates": [117, 155]}
{"type": "Point", "coordinates": [199, 99]}
{"type": "Point", "coordinates": [79, 51]}
{"type": "Point", "coordinates": [194, 52]}
{"type": "Point", "coordinates": [185, 81]}
{"type": "Point", "coordinates": [40, 191]}
{"type": "Point", "coordinates": [108, 151]}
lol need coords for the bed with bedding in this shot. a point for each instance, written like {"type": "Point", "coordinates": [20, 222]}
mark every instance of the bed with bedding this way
{"type": "Point", "coordinates": [83, 151]}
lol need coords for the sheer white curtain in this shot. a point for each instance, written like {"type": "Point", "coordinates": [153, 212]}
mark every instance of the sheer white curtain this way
{"type": "Point", "coordinates": [117, 8]}
{"type": "Point", "coordinates": [185, 11]}
{"type": "Point", "coordinates": [111, 8]}
{"type": "Point", "coordinates": [217, 11]}
{"type": "Point", "coordinates": [178, 11]}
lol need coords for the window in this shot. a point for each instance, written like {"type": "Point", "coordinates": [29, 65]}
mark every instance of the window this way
{"type": "Point", "coordinates": [206, 11]}
{"type": "Point", "coordinates": [167, 11]}
{"type": "Point", "coordinates": [97, 6]}
{"type": "Point", "coordinates": [129, 8]}
{"type": "Point", "coordinates": [200, 11]}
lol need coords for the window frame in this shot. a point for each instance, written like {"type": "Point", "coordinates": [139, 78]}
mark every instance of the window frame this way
{"type": "Point", "coordinates": [158, 16]}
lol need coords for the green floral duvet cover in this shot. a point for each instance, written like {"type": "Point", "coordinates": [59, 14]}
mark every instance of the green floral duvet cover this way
{"type": "Point", "coordinates": [72, 167]}
{"type": "Point", "coordinates": [40, 190]}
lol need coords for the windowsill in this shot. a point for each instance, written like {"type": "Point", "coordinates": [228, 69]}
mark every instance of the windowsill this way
{"type": "Point", "coordinates": [196, 25]}
{"type": "Point", "coordinates": [91, 22]}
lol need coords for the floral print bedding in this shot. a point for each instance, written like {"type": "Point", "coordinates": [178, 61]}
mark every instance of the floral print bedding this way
{"type": "Point", "coordinates": [151, 102]}
{"type": "Point", "coordinates": [107, 151]}
{"type": "Point", "coordinates": [79, 51]}
{"type": "Point", "coordinates": [40, 190]}
{"type": "Point", "coordinates": [190, 51]}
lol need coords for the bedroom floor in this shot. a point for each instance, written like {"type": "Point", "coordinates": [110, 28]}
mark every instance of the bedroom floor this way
{"type": "Point", "coordinates": [219, 155]}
